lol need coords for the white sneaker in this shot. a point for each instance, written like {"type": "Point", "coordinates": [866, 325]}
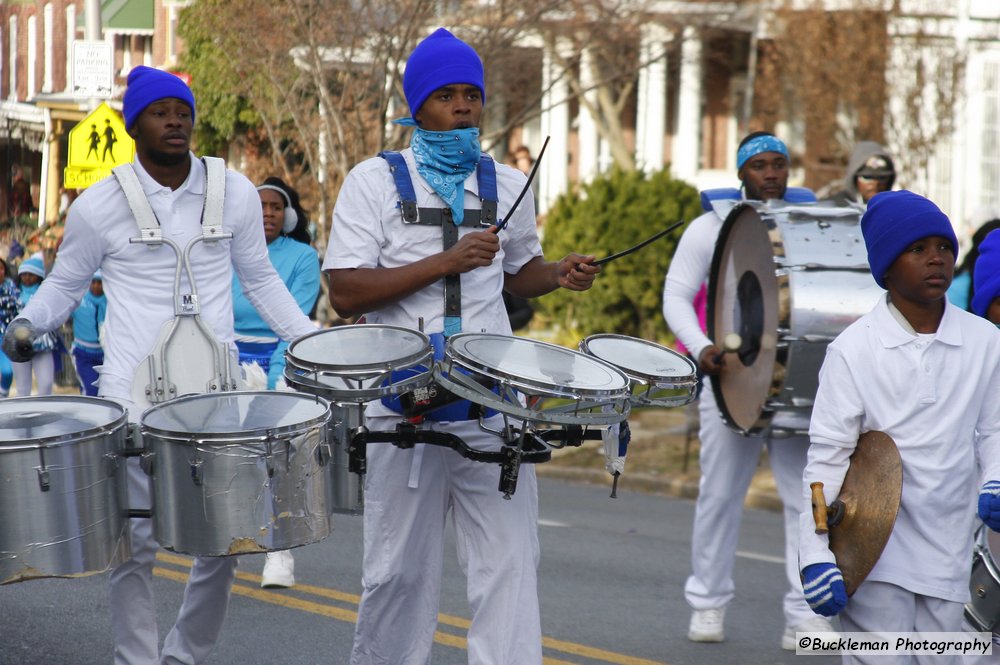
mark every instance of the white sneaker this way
{"type": "Point", "coordinates": [706, 625]}
{"type": "Point", "coordinates": [816, 624]}
{"type": "Point", "coordinates": [279, 570]}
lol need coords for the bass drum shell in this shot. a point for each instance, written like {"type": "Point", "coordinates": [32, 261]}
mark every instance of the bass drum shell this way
{"type": "Point", "coordinates": [346, 489]}
{"type": "Point", "coordinates": [63, 506]}
{"type": "Point", "coordinates": [787, 280]}
{"type": "Point", "coordinates": [238, 472]}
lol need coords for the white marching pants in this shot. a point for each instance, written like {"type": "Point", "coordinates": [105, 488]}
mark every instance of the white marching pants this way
{"type": "Point", "coordinates": [728, 462]}
{"type": "Point", "coordinates": [408, 494]}
{"type": "Point", "coordinates": [133, 611]}
{"type": "Point", "coordinates": [887, 608]}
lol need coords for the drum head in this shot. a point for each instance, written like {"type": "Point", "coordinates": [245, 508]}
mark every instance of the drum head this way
{"type": "Point", "coordinates": [536, 367]}
{"type": "Point", "coordinates": [47, 420]}
{"type": "Point", "coordinates": [743, 298]}
{"type": "Point", "coordinates": [359, 350]}
{"type": "Point", "coordinates": [224, 415]}
{"type": "Point", "coordinates": [641, 360]}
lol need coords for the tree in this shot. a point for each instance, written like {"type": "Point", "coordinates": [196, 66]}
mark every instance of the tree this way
{"type": "Point", "coordinates": [609, 214]}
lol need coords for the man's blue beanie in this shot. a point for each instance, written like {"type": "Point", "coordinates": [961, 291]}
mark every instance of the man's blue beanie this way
{"type": "Point", "coordinates": [147, 85]}
{"type": "Point", "coordinates": [439, 60]}
{"type": "Point", "coordinates": [894, 221]}
{"type": "Point", "coordinates": [986, 277]}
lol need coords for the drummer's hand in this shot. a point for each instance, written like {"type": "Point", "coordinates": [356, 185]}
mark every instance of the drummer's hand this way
{"type": "Point", "coordinates": [19, 339]}
{"type": "Point", "coordinates": [575, 272]}
{"type": "Point", "coordinates": [473, 250]}
{"type": "Point", "coordinates": [711, 360]}
{"type": "Point", "coordinates": [824, 588]}
{"type": "Point", "coordinates": [989, 504]}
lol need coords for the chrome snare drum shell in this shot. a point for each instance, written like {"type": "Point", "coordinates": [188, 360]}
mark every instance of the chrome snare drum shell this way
{"type": "Point", "coordinates": [63, 507]}
{"type": "Point", "coordinates": [357, 363]}
{"type": "Point", "coordinates": [239, 472]}
{"type": "Point", "coordinates": [983, 610]}
{"type": "Point", "coordinates": [658, 376]}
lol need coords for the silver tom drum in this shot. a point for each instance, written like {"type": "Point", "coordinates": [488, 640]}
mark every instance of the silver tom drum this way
{"type": "Point", "coordinates": [983, 611]}
{"type": "Point", "coordinates": [359, 363]}
{"type": "Point", "coordinates": [534, 381]}
{"type": "Point", "coordinates": [238, 472]}
{"type": "Point", "coordinates": [63, 507]}
{"type": "Point", "coordinates": [659, 376]}
{"type": "Point", "coordinates": [787, 280]}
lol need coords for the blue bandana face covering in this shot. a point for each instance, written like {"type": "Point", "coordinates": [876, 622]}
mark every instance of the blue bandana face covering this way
{"type": "Point", "coordinates": [445, 160]}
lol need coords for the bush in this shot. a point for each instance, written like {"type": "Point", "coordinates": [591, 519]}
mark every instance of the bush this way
{"type": "Point", "coordinates": [613, 213]}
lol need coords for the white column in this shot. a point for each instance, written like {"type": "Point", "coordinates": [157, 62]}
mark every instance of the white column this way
{"type": "Point", "coordinates": [687, 140]}
{"type": "Point", "coordinates": [12, 59]}
{"type": "Point", "coordinates": [32, 57]}
{"type": "Point", "coordinates": [554, 122]}
{"type": "Point", "coordinates": [70, 38]}
{"type": "Point", "coordinates": [586, 126]}
{"type": "Point", "coordinates": [651, 114]}
{"type": "Point", "coordinates": [48, 44]}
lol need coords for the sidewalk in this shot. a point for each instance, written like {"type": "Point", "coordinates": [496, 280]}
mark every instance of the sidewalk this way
{"type": "Point", "coordinates": [662, 459]}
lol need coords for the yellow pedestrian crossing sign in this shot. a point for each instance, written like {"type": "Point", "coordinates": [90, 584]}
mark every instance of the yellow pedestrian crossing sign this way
{"type": "Point", "coordinates": [96, 145]}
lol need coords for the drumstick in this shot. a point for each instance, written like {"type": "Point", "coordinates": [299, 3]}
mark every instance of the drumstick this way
{"type": "Point", "coordinates": [642, 244]}
{"type": "Point", "coordinates": [531, 176]}
{"type": "Point", "coordinates": [819, 508]}
{"type": "Point", "coordinates": [731, 343]}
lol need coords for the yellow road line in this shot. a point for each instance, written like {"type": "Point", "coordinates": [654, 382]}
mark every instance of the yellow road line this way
{"type": "Point", "coordinates": [349, 616]}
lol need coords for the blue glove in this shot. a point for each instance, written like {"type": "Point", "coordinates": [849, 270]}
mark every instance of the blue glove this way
{"type": "Point", "coordinates": [989, 504]}
{"type": "Point", "coordinates": [824, 587]}
{"type": "Point", "coordinates": [19, 340]}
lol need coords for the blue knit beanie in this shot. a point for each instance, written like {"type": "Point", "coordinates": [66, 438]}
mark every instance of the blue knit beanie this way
{"type": "Point", "coordinates": [986, 277]}
{"type": "Point", "coordinates": [895, 220]}
{"type": "Point", "coordinates": [439, 60]}
{"type": "Point", "coordinates": [32, 265]}
{"type": "Point", "coordinates": [147, 85]}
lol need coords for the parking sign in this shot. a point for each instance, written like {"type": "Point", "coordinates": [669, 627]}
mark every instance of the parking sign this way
{"type": "Point", "coordinates": [93, 73]}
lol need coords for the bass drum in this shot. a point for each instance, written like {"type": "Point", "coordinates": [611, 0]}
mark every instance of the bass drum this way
{"type": "Point", "coordinates": [787, 280]}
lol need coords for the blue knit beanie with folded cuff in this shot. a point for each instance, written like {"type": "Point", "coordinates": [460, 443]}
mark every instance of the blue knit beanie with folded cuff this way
{"type": "Point", "coordinates": [439, 60]}
{"type": "Point", "coordinates": [147, 85]}
{"type": "Point", "coordinates": [894, 221]}
{"type": "Point", "coordinates": [986, 277]}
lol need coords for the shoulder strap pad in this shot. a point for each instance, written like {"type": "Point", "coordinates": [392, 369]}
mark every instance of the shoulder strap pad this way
{"type": "Point", "coordinates": [215, 196]}
{"type": "Point", "coordinates": [145, 218]}
{"type": "Point", "coordinates": [404, 185]}
{"type": "Point", "coordinates": [799, 195]}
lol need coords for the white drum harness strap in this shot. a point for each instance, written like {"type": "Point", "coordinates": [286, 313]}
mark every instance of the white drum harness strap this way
{"type": "Point", "coordinates": [175, 366]}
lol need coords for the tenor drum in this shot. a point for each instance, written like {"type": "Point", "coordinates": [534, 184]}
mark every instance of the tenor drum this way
{"type": "Point", "coordinates": [534, 381]}
{"type": "Point", "coordinates": [788, 280]}
{"type": "Point", "coordinates": [658, 376]}
{"type": "Point", "coordinates": [63, 507]}
{"type": "Point", "coordinates": [359, 363]}
{"type": "Point", "coordinates": [983, 611]}
{"type": "Point", "coordinates": [238, 472]}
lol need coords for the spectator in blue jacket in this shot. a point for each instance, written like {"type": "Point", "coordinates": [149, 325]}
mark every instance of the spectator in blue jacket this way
{"type": "Point", "coordinates": [8, 311]}
{"type": "Point", "coordinates": [88, 319]}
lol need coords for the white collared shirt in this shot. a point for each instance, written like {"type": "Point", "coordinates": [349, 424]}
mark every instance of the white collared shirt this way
{"type": "Point", "coordinates": [933, 396]}
{"type": "Point", "coordinates": [139, 279]}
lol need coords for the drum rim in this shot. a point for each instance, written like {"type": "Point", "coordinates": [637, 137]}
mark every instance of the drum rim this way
{"type": "Point", "coordinates": [69, 438]}
{"type": "Point", "coordinates": [359, 369]}
{"type": "Point", "coordinates": [551, 389]}
{"type": "Point", "coordinates": [653, 379]}
{"type": "Point", "coordinates": [230, 437]}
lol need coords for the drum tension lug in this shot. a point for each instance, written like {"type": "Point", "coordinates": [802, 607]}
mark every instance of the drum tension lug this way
{"type": "Point", "coordinates": [43, 478]}
{"type": "Point", "coordinates": [357, 451]}
{"type": "Point", "coordinates": [196, 472]}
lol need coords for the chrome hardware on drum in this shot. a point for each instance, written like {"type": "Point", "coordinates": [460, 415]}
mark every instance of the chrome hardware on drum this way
{"type": "Point", "coordinates": [346, 493]}
{"type": "Point", "coordinates": [983, 611]}
{"type": "Point", "coordinates": [238, 472]}
{"type": "Point", "coordinates": [356, 363]}
{"type": "Point", "coordinates": [659, 376]}
{"type": "Point", "coordinates": [528, 374]}
{"type": "Point", "coordinates": [787, 280]}
{"type": "Point", "coordinates": [63, 508]}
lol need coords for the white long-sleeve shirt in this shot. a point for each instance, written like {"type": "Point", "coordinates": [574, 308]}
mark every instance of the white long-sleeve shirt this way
{"type": "Point", "coordinates": [688, 271]}
{"type": "Point", "coordinates": [932, 394]}
{"type": "Point", "coordinates": [139, 279]}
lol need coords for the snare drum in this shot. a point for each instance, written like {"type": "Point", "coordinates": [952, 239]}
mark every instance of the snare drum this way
{"type": "Point", "coordinates": [659, 376]}
{"type": "Point", "coordinates": [63, 508]}
{"type": "Point", "coordinates": [788, 281]}
{"type": "Point", "coordinates": [238, 472]}
{"type": "Point", "coordinates": [536, 381]}
{"type": "Point", "coordinates": [983, 611]}
{"type": "Point", "coordinates": [359, 363]}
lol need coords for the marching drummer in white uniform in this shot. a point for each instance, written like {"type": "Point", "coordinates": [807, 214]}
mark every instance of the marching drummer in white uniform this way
{"type": "Point", "coordinates": [396, 273]}
{"type": "Point", "coordinates": [101, 233]}
{"type": "Point", "coordinates": [728, 459]}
